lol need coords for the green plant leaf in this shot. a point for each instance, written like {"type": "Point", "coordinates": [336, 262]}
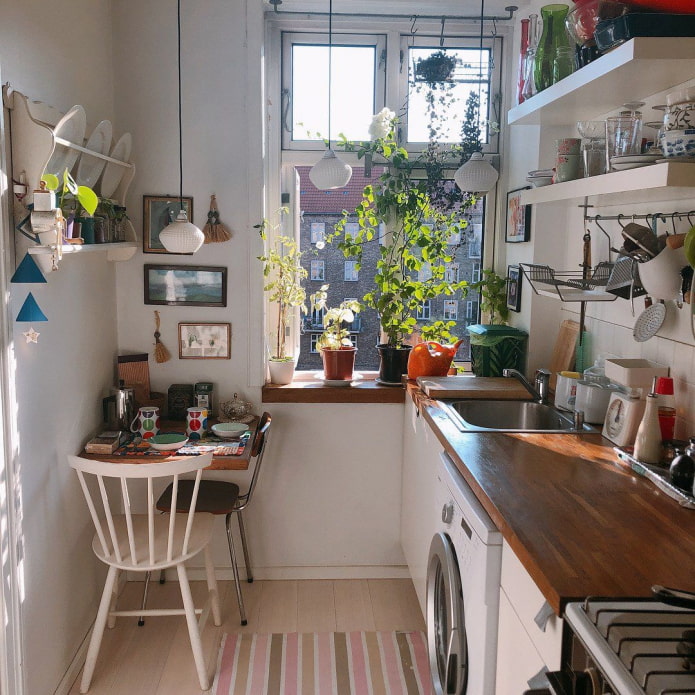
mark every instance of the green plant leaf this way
{"type": "Point", "coordinates": [88, 199]}
{"type": "Point", "coordinates": [52, 181]}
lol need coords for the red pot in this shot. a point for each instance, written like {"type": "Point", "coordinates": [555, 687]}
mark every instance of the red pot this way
{"type": "Point", "coordinates": [678, 6]}
{"type": "Point", "coordinates": [338, 364]}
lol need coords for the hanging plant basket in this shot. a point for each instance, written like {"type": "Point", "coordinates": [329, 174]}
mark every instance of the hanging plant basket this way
{"type": "Point", "coordinates": [439, 67]}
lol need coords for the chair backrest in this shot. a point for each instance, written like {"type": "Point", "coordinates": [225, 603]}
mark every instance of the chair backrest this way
{"type": "Point", "coordinates": [110, 506]}
{"type": "Point", "coordinates": [257, 450]}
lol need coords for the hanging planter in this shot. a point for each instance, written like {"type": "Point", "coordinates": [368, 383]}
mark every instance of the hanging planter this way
{"type": "Point", "coordinates": [439, 67]}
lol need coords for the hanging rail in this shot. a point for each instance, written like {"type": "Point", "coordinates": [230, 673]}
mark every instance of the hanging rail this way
{"type": "Point", "coordinates": [649, 216]}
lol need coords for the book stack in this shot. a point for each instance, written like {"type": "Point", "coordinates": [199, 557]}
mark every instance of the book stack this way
{"type": "Point", "coordinates": [105, 442]}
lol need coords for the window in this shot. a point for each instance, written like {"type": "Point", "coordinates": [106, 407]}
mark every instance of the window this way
{"type": "Point", "coordinates": [318, 270]}
{"type": "Point", "coordinates": [471, 309]}
{"type": "Point", "coordinates": [454, 239]}
{"type": "Point", "coordinates": [451, 309]}
{"type": "Point", "coordinates": [316, 318]}
{"type": "Point", "coordinates": [475, 273]}
{"type": "Point", "coordinates": [352, 228]}
{"type": "Point", "coordinates": [314, 340]}
{"type": "Point", "coordinates": [353, 338]}
{"type": "Point", "coordinates": [451, 274]}
{"type": "Point", "coordinates": [425, 273]}
{"type": "Point", "coordinates": [425, 310]}
{"type": "Point", "coordinates": [318, 232]}
{"type": "Point", "coordinates": [351, 272]}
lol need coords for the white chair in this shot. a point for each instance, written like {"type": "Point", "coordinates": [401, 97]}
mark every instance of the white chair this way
{"type": "Point", "coordinates": [146, 542]}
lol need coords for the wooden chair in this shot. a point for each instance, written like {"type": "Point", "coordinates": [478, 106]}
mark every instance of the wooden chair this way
{"type": "Point", "coordinates": [219, 497]}
{"type": "Point", "coordinates": [145, 542]}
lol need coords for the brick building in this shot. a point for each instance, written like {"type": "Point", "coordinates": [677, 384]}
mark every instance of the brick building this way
{"type": "Point", "coordinates": [325, 264]}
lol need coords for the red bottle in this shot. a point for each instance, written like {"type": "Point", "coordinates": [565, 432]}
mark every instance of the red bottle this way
{"type": "Point", "coordinates": [522, 59]}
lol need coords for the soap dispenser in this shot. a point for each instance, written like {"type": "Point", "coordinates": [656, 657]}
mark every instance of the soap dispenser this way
{"type": "Point", "coordinates": [648, 441]}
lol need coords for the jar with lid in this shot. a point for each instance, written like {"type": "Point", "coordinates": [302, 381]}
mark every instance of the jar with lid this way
{"type": "Point", "coordinates": [203, 391]}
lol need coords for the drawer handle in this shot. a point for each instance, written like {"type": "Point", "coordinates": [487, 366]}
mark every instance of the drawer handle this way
{"type": "Point", "coordinates": [543, 616]}
{"type": "Point", "coordinates": [539, 680]}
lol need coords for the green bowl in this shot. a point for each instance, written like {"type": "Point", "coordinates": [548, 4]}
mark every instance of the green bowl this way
{"type": "Point", "coordinates": [167, 442]}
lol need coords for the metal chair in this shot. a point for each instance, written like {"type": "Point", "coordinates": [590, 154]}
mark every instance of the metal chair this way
{"type": "Point", "coordinates": [219, 497]}
{"type": "Point", "coordinates": [146, 542]}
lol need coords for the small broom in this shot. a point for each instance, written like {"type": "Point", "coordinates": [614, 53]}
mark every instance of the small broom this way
{"type": "Point", "coordinates": [214, 231]}
{"type": "Point", "coordinates": [161, 354]}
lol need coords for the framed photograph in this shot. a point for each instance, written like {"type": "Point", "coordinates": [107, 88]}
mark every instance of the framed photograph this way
{"type": "Point", "coordinates": [518, 218]}
{"type": "Point", "coordinates": [513, 288]}
{"type": "Point", "coordinates": [157, 212]}
{"type": "Point", "coordinates": [186, 285]}
{"type": "Point", "coordinates": [205, 341]}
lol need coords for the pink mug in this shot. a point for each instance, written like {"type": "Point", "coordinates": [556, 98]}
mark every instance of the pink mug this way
{"type": "Point", "coordinates": [146, 422]}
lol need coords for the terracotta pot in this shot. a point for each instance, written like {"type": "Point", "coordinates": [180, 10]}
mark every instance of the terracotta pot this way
{"type": "Point", "coordinates": [338, 364]}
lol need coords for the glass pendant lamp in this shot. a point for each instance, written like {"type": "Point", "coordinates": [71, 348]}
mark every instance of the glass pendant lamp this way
{"type": "Point", "coordinates": [330, 171]}
{"type": "Point", "coordinates": [477, 175]}
{"type": "Point", "coordinates": [181, 236]}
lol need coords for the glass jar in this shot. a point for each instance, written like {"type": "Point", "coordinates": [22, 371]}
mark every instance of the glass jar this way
{"type": "Point", "coordinates": [553, 36]}
{"type": "Point", "coordinates": [529, 87]}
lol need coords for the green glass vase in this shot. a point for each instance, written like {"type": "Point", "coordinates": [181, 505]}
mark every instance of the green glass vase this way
{"type": "Point", "coordinates": [553, 36]}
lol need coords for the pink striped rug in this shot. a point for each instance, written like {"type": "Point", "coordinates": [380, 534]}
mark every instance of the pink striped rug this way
{"type": "Point", "coordinates": [323, 663]}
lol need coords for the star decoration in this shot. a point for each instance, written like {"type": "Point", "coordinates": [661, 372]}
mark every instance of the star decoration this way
{"type": "Point", "coordinates": [31, 335]}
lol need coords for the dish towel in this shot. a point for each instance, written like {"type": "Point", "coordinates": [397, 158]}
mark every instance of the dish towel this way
{"type": "Point", "coordinates": [323, 663]}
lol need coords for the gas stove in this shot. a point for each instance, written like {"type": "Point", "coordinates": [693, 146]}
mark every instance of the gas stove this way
{"type": "Point", "coordinates": [628, 647]}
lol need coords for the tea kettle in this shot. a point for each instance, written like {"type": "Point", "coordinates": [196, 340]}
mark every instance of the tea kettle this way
{"type": "Point", "coordinates": [119, 407]}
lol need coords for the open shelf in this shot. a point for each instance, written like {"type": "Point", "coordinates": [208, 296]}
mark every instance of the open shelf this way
{"type": "Point", "coordinates": [639, 68]}
{"type": "Point", "coordinates": [117, 251]}
{"type": "Point", "coordinates": [664, 181]}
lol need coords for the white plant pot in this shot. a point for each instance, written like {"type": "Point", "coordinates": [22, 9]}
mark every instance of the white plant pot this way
{"type": "Point", "coordinates": [281, 372]}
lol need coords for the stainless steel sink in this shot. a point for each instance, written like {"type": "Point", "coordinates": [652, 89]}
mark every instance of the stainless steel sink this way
{"type": "Point", "coordinates": [509, 416]}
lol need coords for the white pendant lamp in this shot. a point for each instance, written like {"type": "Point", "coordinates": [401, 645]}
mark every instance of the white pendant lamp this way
{"type": "Point", "coordinates": [477, 175]}
{"type": "Point", "coordinates": [330, 171]}
{"type": "Point", "coordinates": [181, 236]}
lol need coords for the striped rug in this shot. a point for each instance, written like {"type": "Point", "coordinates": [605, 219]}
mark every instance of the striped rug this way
{"type": "Point", "coordinates": [325, 663]}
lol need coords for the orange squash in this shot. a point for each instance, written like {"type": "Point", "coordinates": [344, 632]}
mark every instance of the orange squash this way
{"type": "Point", "coordinates": [431, 359]}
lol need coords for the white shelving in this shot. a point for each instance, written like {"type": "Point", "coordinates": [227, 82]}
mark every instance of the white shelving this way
{"type": "Point", "coordinates": [117, 251]}
{"type": "Point", "coordinates": [637, 69]}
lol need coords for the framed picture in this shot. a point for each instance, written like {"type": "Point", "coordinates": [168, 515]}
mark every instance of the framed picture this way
{"type": "Point", "coordinates": [157, 212]}
{"type": "Point", "coordinates": [518, 218]}
{"type": "Point", "coordinates": [205, 341]}
{"type": "Point", "coordinates": [513, 288]}
{"type": "Point", "coordinates": [186, 285]}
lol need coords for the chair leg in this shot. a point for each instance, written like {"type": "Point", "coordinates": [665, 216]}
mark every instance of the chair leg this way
{"type": "Point", "coordinates": [212, 586]}
{"type": "Point", "coordinates": [141, 619]}
{"type": "Point", "coordinates": [111, 622]}
{"type": "Point", "coordinates": [193, 632]}
{"type": "Point", "coordinates": [242, 533]}
{"type": "Point", "coordinates": [98, 630]}
{"type": "Point", "coordinates": [235, 569]}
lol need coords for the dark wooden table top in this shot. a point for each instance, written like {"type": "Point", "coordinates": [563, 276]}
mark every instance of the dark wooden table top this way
{"type": "Point", "coordinates": [581, 523]}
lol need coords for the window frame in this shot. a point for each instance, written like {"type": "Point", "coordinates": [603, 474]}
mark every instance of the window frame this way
{"type": "Point", "coordinates": [355, 273]}
{"type": "Point", "coordinates": [318, 263]}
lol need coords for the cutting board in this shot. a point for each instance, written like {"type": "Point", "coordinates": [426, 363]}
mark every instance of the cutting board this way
{"type": "Point", "coordinates": [564, 352]}
{"type": "Point", "coordinates": [473, 387]}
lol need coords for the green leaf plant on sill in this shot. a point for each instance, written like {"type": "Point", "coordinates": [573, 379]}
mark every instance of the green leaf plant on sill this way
{"type": "Point", "coordinates": [493, 296]}
{"type": "Point", "coordinates": [283, 276]}
{"type": "Point", "coordinates": [335, 333]}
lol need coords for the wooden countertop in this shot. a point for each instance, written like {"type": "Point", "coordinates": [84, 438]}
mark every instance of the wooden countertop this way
{"type": "Point", "coordinates": [582, 524]}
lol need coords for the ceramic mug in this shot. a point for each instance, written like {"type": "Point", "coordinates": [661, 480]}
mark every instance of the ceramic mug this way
{"type": "Point", "coordinates": [196, 422]}
{"type": "Point", "coordinates": [146, 422]}
{"type": "Point", "coordinates": [568, 145]}
{"type": "Point", "coordinates": [567, 167]}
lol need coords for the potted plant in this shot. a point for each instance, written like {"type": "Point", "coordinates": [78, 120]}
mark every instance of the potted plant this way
{"type": "Point", "coordinates": [494, 345]}
{"type": "Point", "coordinates": [436, 68]}
{"type": "Point", "coordinates": [337, 350]}
{"type": "Point", "coordinates": [413, 253]}
{"type": "Point", "coordinates": [283, 273]}
{"type": "Point", "coordinates": [74, 201]}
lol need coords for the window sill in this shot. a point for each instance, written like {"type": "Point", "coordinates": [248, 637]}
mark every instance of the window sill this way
{"type": "Point", "coordinates": [306, 388]}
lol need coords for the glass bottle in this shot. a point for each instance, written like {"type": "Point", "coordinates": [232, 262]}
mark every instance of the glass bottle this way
{"type": "Point", "coordinates": [529, 88]}
{"type": "Point", "coordinates": [648, 441]}
{"type": "Point", "coordinates": [554, 34]}
{"type": "Point", "coordinates": [522, 59]}
{"type": "Point", "coordinates": [563, 63]}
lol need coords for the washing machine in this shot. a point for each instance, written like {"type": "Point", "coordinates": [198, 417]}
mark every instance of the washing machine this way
{"type": "Point", "coordinates": [463, 585]}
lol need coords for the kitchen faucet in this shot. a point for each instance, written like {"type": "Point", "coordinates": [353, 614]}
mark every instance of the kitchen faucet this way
{"type": "Point", "coordinates": [541, 381]}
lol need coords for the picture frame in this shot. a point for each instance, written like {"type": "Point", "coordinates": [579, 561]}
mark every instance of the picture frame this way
{"type": "Point", "coordinates": [514, 288]}
{"type": "Point", "coordinates": [157, 212]}
{"type": "Point", "coordinates": [205, 341]}
{"type": "Point", "coordinates": [185, 285]}
{"type": "Point", "coordinates": [518, 218]}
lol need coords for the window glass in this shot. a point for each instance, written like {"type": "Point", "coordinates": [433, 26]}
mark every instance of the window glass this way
{"type": "Point", "coordinates": [351, 272]}
{"type": "Point", "coordinates": [318, 232]}
{"type": "Point", "coordinates": [423, 313]}
{"type": "Point", "coordinates": [317, 270]}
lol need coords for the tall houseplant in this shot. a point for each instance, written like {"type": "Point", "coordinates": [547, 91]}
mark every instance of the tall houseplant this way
{"type": "Point", "coordinates": [283, 273]}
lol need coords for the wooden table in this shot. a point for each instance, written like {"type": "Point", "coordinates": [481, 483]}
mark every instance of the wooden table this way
{"type": "Point", "coordinates": [219, 462]}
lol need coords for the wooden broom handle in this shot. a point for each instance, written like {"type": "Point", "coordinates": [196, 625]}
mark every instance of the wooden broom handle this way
{"type": "Point", "coordinates": [156, 321]}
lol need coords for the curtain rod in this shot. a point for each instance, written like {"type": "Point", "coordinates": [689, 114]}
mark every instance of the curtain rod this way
{"type": "Point", "coordinates": [511, 9]}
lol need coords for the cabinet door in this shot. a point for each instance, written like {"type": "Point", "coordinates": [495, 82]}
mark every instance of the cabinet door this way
{"type": "Point", "coordinates": [419, 515]}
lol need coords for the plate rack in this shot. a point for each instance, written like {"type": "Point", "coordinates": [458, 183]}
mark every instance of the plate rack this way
{"type": "Point", "coordinates": [570, 285]}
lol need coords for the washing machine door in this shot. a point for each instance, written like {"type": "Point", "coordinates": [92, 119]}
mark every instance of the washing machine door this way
{"type": "Point", "coordinates": [446, 629]}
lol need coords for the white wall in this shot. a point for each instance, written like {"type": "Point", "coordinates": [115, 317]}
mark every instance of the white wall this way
{"type": "Point", "coordinates": [62, 57]}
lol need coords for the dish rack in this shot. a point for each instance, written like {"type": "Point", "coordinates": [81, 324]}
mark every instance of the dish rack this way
{"type": "Point", "coordinates": [570, 285]}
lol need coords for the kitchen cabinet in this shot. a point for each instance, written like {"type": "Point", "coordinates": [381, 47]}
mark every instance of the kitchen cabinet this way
{"type": "Point", "coordinates": [638, 69]}
{"type": "Point", "coordinates": [33, 142]}
{"type": "Point", "coordinates": [529, 640]}
{"type": "Point", "coordinates": [419, 511]}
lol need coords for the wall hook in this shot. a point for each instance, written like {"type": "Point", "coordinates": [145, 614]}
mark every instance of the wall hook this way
{"type": "Point", "coordinates": [441, 34]}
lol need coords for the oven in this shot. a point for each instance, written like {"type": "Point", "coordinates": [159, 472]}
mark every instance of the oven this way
{"type": "Point", "coordinates": [627, 647]}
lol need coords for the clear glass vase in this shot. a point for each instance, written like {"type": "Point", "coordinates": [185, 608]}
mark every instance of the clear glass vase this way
{"type": "Point", "coordinates": [553, 36]}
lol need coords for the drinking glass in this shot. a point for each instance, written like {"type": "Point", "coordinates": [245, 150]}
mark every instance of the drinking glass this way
{"type": "Point", "coordinates": [623, 135]}
{"type": "Point", "coordinates": [593, 146]}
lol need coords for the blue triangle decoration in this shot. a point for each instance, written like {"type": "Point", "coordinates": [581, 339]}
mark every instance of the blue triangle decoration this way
{"type": "Point", "coordinates": [30, 311]}
{"type": "Point", "coordinates": [28, 272]}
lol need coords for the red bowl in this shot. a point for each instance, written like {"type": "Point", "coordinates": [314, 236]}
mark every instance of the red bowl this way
{"type": "Point", "coordinates": [677, 6]}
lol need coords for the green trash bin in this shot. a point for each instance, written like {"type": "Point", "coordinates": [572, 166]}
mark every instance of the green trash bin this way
{"type": "Point", "coordinates": [497, 347]}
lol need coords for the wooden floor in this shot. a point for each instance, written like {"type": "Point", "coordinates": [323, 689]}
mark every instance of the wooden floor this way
{"type": "Point", "coordinates": [156, 659]}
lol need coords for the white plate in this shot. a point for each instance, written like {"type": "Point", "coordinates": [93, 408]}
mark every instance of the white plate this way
{"type": "Point", "coordinates": [540, 181]}
{"type": "Point", "coordinates": [70, 127]}
{"type": "Point", "coordinates": [113, 173]}
{"type": "Point", "coordinates": [636, 158]}
{"type": "Point", "coordinates": [89, 168]}
{"type": "Point", "coordinates": [622, 166]}
{"type": "Point", "coordinates": [338, 382]}
{"type": "Point", "coordinates": [670, 160]}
